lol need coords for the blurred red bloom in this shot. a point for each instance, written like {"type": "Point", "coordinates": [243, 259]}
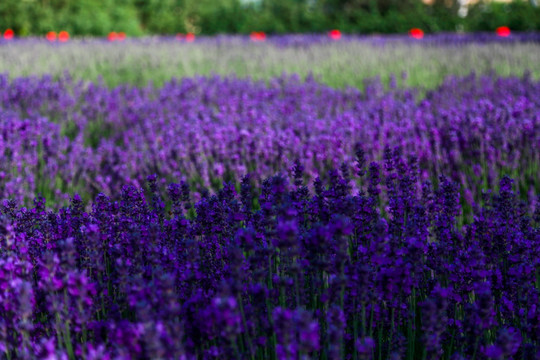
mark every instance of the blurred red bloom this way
{"type": "Point", "coordinates": [121, 36]}
{"type": "Point", "coordinates": [112, 36]}
{"type": "Point", "coordinates": [9, 34]}
{"type": "Point", "coordinates": [51, 36]}
{"type": "Point", "coordinates": [334, 34]}
{"type": "Point", "coordinates": [416, 33]}
{"type": "Point", "coordinates": [503, 31]}
{"type": "Point", "coordinates": [190, 37]}
{"type": "Point", "coordinates": [257, 36]}
{"type": "Point", "coordinates": [63, 36]}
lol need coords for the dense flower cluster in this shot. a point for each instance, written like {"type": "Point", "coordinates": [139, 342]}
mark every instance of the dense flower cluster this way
{"type": "Point", "coordinates": [58, 137]}
{"type": "Point", "coordinates": [276, 271]}
{"type": "Point", "coordinates": [429, 39]}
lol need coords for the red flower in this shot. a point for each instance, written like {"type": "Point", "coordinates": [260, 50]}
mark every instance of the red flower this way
{"type": "Point", "coordinates": [121, 36]}
{"type": "Point", "coordinates": [9, 34]}
{"type": "Point", "coordinates": [334, 34]}
{"type": "Point", "coordinates": [63, 36]}
{"type": "Point", "coordinates": [51, 36]}
{"type": "Point", "coordinates": [503, 31]}
{"type": "Point", "coordinates": [416, 33]}
{"type": "Point", "coordinates": [112, 36]}
{"type": "Point", "coordinates": [190, 37]}
{"type": "Point", "coordinates": [257, 36]}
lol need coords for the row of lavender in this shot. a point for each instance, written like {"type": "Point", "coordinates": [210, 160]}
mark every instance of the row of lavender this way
{"type": "Point", "coordinates": [342, 63]}
{"type": "Point", "coordinates": [61, 136]}
{"type": "Point", "coordinates": [298, 274]}
{"type": "Point", "coordinates": [437, 39]}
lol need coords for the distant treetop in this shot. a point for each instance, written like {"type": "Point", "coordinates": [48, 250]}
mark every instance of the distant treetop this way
{"type": "Point", "coordinates": [144, 17]}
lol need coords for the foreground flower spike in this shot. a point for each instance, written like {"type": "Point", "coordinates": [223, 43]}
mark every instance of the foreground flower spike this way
{"type": "Point", "coordinates": [303, 275]}
{"type": "Point", "coordinates": [503, 31]}
{"type": "Point", "coordinates": [9, 34]}
{"type": "Point", "coordinates": [416, 33]}
{"type": "Point", "coordinates": [334, 34]}
{"type": "Point", "coordinates": [51, 36]}
{"type": "Point", "coordinates": [63, 36]}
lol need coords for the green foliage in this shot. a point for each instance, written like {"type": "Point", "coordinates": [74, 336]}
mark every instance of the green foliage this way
{"type": "Point", "coordinates": [139, 17]}
{"type": "Point", "coordinates": [518, 15]}
{"type": "Point", "coordinates": [78, 17]}
{"type": "Point", "coordinates": [161, 16]}
{"type": "Point", "coordinates": [214, 17]}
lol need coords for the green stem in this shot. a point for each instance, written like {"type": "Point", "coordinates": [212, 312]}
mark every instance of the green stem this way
{"type": "Point", "coordinates": [244, 323]}
{"type": "Point", "coordinates": [355, 331]}
{"type": "Point", "coordinates": [475, 349]}
{"type": "Point", "coordinates": [273, 340]}
{"type": "Point", "coordinates": [380, 344]}
{"type": "Point", "coordinates": [67, 332]}
{"type": "Point", "coordinates": [364, 319]}
{"type": "Point", "coordinates": [371, 322]}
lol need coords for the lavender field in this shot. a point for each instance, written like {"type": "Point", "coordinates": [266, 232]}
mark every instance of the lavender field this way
{"type": "Point", "coordinates": [347, 62]}
{"type": "Point", "coordinates": [372, 198]}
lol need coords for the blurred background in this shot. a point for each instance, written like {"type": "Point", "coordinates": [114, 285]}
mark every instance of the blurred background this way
{"type": "Point", "coordinates": [209, 17]}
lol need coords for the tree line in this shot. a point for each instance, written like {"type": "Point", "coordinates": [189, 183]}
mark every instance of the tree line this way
{"type": "Point", "coordinates": [142, 17]}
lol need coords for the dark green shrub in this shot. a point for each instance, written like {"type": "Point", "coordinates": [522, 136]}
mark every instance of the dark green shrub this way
{"type": "Point", "coordinates": [138, 17]}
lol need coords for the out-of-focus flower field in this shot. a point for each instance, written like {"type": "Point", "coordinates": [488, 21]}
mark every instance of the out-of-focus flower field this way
{"type": "Point", "coordinates": [345, 62]}
{"type": "Point", "coordinates": [290, 198]}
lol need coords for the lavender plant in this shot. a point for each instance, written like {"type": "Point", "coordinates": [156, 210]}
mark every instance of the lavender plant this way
{"type": "Point", "coordinates": [298, 274]}
{"type": "Point", "coordinates": [61, 136]}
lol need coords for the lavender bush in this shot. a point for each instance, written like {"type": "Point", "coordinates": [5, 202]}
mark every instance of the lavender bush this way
{"type": "Point", "coordinates": [58, 137]}
{"type": "Point", "coordinates": [298, 274]}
